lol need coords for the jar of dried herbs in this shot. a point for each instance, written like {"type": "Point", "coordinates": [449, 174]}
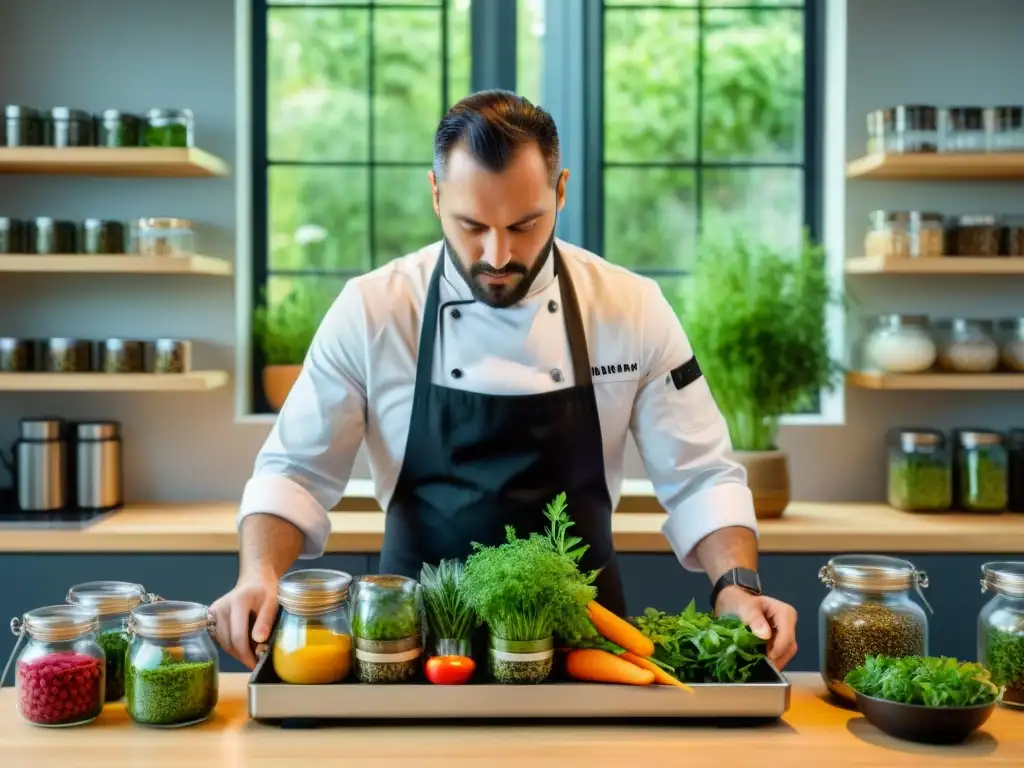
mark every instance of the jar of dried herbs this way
{"type": "Point", "coordinates": [16, 355]}
{"type": "Point", "coordinates": [112, 601]}
{"type": "Point", "coordinates": [977, 234]}
{"type": "Point", "coordinates": [66, 127]}
{"type": "Point", "coordinates": [868, 610]}
{"type": "Point", "coordinates": [904, 235]}
{"type": "Point", "coordinates": [121, 356]}
{"type": "Point", "coordinates": [168, 356]}
{"type": "Point", "coordinates": [920, 476]}
{"type": "Point", "coordinates": [22, 127]}
{"type": "Point", "coordinates": [169, 128]}
{"type": "Point", "coordinates": [48, 236]}
{"type": "Point", "coordinates": [387, 628]}
{"type": "Point", "coordinates": [171, 670]}
{"type": "Point", "coordinates": [520, 661]}
{"type": "Point", "coordinates": [13, 236]}
{"type": "Point", "coordinates": [67, 356]}
{"type": "Point", "coordinates": [118, 129]}
{"type": "Point", "coordinates": [981, 467]}
{"type": "Point", "coordinates": [1001, 628]}
{"type": "Point", "coordinates": [102, 237]}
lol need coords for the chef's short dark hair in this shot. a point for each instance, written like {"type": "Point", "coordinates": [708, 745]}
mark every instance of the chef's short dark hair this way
{"type": "Point", "coordinates": [494, 124]}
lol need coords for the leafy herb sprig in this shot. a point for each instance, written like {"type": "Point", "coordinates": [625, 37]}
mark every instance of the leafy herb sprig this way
{"type": "Point", "coordinates": [700, 647]}
{"type": "Point", "coordinates": [1005, 658]}
{"type": "Point", "coordinates": [931, 681]}
{"type": "Point", "coordinates": [449, 614]}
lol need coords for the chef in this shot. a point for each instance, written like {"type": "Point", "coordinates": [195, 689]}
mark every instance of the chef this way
{"type": "Point", "coordinates": [487, 373]}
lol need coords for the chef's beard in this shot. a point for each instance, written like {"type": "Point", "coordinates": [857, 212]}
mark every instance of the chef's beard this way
{"type": "Point", "coordinates": [496, 295]}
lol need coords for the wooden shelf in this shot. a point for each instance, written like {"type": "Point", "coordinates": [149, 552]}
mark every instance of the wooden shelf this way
{"type": "Point", "coordinates": [127, 264]}
{"type": "Point", "coordinates": [104, 161]}
{"type": "Point", "coordinates": [194, 381]}
{"type": "Point", "coordinates": [938, 165]}
{"type": "Point", "coordinates": [936, 381]}
{"type": "Point", "coordinates": [947, 265]}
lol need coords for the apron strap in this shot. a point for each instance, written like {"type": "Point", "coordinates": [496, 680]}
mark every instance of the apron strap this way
{"type": "Point", "coordinates": [573, 324]}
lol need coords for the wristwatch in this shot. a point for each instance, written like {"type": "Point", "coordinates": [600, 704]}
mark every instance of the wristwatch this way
{"type": "Point", "coordinates": [744, 578]}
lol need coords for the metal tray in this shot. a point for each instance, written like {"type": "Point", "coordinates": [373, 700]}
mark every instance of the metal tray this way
{"type": "Point", "coordinates": [766, 696]}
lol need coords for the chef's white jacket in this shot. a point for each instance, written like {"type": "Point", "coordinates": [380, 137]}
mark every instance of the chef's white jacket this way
{"type": "Point", "coordinates": [357, 383]}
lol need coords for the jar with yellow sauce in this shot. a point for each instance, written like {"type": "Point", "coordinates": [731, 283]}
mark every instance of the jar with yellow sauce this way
{"type": "Point", "coordinates": [313, 641]}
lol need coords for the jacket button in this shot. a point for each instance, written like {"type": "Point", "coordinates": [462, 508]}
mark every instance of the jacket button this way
{"type": "Point", "coordinates": [552, 306]}
{"type": "Point", "coordinates": [456, 314]}
{"type": "Point", "coordinates": [456, 373]}
{"type": "Point", "coordinates": [556, 375]}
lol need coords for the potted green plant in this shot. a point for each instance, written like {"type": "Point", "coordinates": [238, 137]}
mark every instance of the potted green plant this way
{"type": "Point", "coordinates": [284, 330]}
{"type": "Point", "coordinates": [756, 318]}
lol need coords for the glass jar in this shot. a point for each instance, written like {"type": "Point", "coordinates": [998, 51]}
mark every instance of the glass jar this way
{"type": "Point", "coordinates": [59, 673]}
{"type": "Point", "coordinates": [900, 344]}
{"type": "Point", "coordinates": [1012, 236]}
{"type": "Point", "coordinates": [164, 237]}
{"type": "Point", "coordinates": [118, 129]}
{"type": "Point", "coordinates": [1011, 350]}
{"type": "Point", "coordinates": [904, 235]}
{"type": "Point", "coordinates": [920, 471]}
{"type": "Point", "coordinates": [387, 628]}
{"type": "Point", "coordinates": [66, 127]}
{"type": "Point", "coordinates": [1015, 461]}
{"type": "Point", "coordinates": [112, 601]}
{"type": "Point", "coordinates": [965, 130]}
{"type": "Point", "coordinates": [22, 127]}
{"type": "Point", "coordinates": [1001, 628]}
{"type": "Point", "coordinates": [915, 129]}
{"type": "Point", "coordinates": [969, 347]}
{"type": "Point", "coordinates": [312, 644]}
{"type": "Point", "coordinates": [1007, 129]}
{"type": "Point", "coordinates": [981, 469]}
{"type": "Point", "coordinates": [868, 611]}
{"type": "Point", "coordinates": [879, 122]}
{"type": "Point", "coordinates": [977, 234]}
{"type": "Point", "coordinates": [171, 673]}
{"type": "Point", "coordinates": [169, 128]}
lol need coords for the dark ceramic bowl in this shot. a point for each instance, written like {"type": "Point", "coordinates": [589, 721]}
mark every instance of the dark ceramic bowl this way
{"type": "Point", "coordinates": [929, 725]}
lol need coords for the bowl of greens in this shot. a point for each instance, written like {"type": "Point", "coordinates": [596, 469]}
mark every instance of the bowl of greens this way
{"type": "Point", "coordinates": [929, 699]}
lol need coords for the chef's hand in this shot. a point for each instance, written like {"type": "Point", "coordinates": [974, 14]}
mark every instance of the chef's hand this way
{"type": "Point", "coordinates": [768, 618]}
{"type": "Point", "coordinates": [253, 595]}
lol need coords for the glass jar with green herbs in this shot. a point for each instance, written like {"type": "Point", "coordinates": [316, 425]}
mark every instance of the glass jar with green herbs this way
{"type": "Point", "coordinates": [387, 628]}
{"type": "Point", "coordinates": [112, 601]}
{"type": "Point", "coordinates": [171, 672]}
{"type": "Point", "coordinates": [920, 474]}
{"type": "Point", "coordinates": [982, 471]}
{"type": "Point", "coordinates": [169, 128]}
{"type": "Point", "coordinates": [868, 611]}
{"type": "Point", "coordinates": [1001, 629]}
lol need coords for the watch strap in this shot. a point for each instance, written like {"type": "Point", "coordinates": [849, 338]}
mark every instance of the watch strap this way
{"type": "Point", "coordinates": [745, 578]}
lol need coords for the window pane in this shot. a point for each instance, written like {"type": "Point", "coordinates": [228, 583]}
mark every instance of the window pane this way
{"type": "Point", "coordinates": [317, 80]}
{"type": "Point", "coordinates": [459, 53]}
{"type": "Point", "coordinates": [649, 217]}
{"type": "Point", "coordinates": [294, 3]}
{"type": "Point", "coordinates": [764, 204]}
{"type": "Point", "coordinates": [650, 91]}
{"type": "Point", "coordinates": [754, 3]}
{"type": "Point", "coordinates": [404, 218]}
{"type": "Point", "coordinates": [754, 85]}
{"type": "Point", "coordinates": [318, 218]}
{"type": "Point", "coordinates": [680, 3]}
{"type": "Point", "coordinates": [407, 2]}
{"type": "Point", "coordinates": [530, 49]}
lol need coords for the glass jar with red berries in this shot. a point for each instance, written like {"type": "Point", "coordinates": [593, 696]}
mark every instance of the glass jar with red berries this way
{"type": "Point", "coordinates": [60, 673]}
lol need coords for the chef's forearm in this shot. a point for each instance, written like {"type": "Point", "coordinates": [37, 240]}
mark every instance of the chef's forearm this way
{"type": "Point", "coordinates": [732, 547]}
{"type": "Point", "coordinates": [268, 545]}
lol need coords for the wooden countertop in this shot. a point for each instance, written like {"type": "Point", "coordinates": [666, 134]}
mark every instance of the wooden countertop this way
{"type": "Point", "coordinates": [806, 527]}
{"type": "Point", "coordinates": [813, 733]}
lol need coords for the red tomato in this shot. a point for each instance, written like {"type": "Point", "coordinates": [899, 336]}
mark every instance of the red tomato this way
{"type": "Point", "coordinates": [450, 670]}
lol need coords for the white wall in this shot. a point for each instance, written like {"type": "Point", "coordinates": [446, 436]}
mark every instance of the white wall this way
{"type": "Point", "coordinates": [134, 55]}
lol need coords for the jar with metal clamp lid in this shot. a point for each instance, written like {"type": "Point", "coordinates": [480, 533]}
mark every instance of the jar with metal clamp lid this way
{"type": "Point", "coordinates": [1001, 628]}
{"type": "Point", "coordinates": [868, 611]}
{"type": "Point", "coordinates": [112, 601]}
{"type": "Point", "coordinates": [171, 671]}
{"type": "Point", "coordinates": [59, 674]}
{"type": "Point", "coordinates": [312, 644]}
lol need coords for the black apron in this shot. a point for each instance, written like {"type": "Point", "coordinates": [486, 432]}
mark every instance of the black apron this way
{"type": "Point", "coordinates": [475, 463]}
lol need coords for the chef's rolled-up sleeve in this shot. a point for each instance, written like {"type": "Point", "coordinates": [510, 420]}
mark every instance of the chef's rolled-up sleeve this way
{"type": "Point", "coordinates": [683, 439]}
{"type": "Point", "coordinates": [303, 467]}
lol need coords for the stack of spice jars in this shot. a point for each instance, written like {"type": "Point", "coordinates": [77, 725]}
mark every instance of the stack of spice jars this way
{"type": "Point", "coordinates": [915, 128]}
{"type": "Point", "coordinates": [66, 127]}
{"type": "Point", "coordinates": [1001, 628]}
{"type": "Point", "coordinates": [312, 644]}
{"type": "Point", "coordinates": [893, 235]}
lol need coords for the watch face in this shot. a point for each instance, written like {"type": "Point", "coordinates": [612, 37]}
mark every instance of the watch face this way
{"type": "Point", "coordinates": [748, 579]}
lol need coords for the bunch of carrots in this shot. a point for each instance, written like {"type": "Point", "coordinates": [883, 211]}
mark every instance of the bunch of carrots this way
{"type": "Point", "coordinates": [632, 667]}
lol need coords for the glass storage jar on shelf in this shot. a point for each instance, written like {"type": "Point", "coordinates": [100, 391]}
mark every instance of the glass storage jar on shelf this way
{"type": "Point", "coordinates": [112, 601]}
{"type": "Point", "coordinates": [171, 671]}
{"type": "Point", "coordinates": [964, 130]}
{"type": "Point", "coordinates": [968, 346]}
{"type": "Point", "coordinates": [915, 129]}
{"type": "Point", "coordinates": [868, 611]}
{"type": "Point", "coordinates": [1011, 349]}
{"type": "Point", "coordinates": [1015, 463]}
{"type": "Point", "coordinates": [980, 471]}
{"type": "Point", "coordinates": [169, 128]}
{"type": "Point", "coordinates": [900, 344]}
{"type": "Point", "coordinates": [387, 628]}
{"type": "Point", "coordinates": [312, 644]}
{"type": "Point", "coordinates": [904, 235]}
{"type": "Point", "coordinates": [880, 128]}
{"type": "Point", "coordinates": [1001, 628]}
{"type": "Point", "coordinates": [59, 673]}
{"type": "Point", "coordinates": [163, 237]}
{"type": "Point", "coordinates": [1012, 236]}
{"type": "Point", "coordinates": [1007, 129]}
{"type": "Point", "coordinates": [920, 472]}
{"type": "Point", "coordinates": [975, 234]}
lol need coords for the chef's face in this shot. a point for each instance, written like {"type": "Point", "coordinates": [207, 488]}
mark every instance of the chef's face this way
{"type": "Point", "coordinates": [499, 227]}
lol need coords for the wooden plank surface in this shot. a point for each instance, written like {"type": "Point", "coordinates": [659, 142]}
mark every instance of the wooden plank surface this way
{"type": "Point", "coordinates": [166, 162]}
{"type": "Point", "coordinates": [938, 165]}
{"type": "Point", "coordinates": [979, 382]}
{"type": "Point", "coordinates": [946, 265]}
{"type": "Point", "coordinates": [124, 264]}
{"type": "Point", "coordinates": [193, 381]}
{"type": "Point", "coordinates": [814, 732]}
{"type": "Point", "coordinates": [806, 527]}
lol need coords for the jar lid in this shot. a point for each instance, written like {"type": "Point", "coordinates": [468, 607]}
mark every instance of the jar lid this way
{"type": "Point", "coordinates": [313, 590]}
{"type": "Point", "coordinates": [387, 581]}
{"type": "Point", "coordinates": [57, 623]}
{"type": "Point", "coordinates": [169, 114]}
{"type": "Point", "coordinates": [69, 113]}
{"type": "Point", "coordinates": [164, 223]}
{"type": "Point", "coordinates": [169, 619]}
{"type": "Point", "coordinates": [974, 438]}
{"type": "Point", "coordinates": [42, 429]}
{"type": "Point", "coordinates": [107, 598]}
{"type": "Point", "coordinates": [1005, 578]}
{"type": "Point", "coordinates": [976, 220]}
{"type": "Point", "coordinates": [872, 573]}
{"type": "Point", "coordinates": [916, 438]}
{"type": "Point", "coordinates": [880, 218]}
{"type": "Point", "coordinates": [903, 321]}
{"type": "Point", "coordinates": [98, 430]}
